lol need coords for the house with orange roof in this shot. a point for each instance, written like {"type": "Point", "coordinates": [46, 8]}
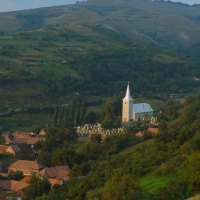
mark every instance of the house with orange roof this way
{"type": "Point", "coordinates": [8, 138]}
{"type": "Point", "coordinates": [151, 130]}
{"type": "Point", "coordinates": [18, 187]}
{"type": "Point", "coordinates": [12, 150]}
{"type": "Point", "coordinates": [27, 140]}
{"type": "Point", "coordinates": [19, 137]}
{"type": "Point", "coordinates": [56, 174]}
{"type": "Point", "coordinates": [27, 167]}
{"type": "Point", "coordinates": [3, 149]}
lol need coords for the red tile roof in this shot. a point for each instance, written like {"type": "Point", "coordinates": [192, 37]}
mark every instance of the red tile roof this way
{"type": "Point", "coordinates": [154, 131]}
{"type": "Point", "coordinates": [11, 185]}
{"type": "Point", "coordinates": [54, 181]}
{"type": "Point", "coordinates": [30, 141]}
{"type": "Point", "coordinates": [59, 172]}
{"type": "Point", "coordinates": [25, 165]}
{"type": "Point", "coordinates": [7, 138]}
{"type": "Point", "coordinates": [3, 148]}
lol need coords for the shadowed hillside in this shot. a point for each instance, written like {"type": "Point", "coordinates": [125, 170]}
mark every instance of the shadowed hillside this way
{"type": "Point", "coordinates": [94, 47]}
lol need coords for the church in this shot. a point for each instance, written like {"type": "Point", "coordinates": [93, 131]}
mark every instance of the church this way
{"type": "Point", "coordinates": [133, 112]}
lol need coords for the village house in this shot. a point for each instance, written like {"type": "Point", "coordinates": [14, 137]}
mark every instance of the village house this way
{"type": "Point", "coordinates": [26, 167]}
{"type": "Point", "coordinates": [26, 138]}
{"type": "Point", "coordinates": [56, 175]}
{"type": "Point", "coordinates": [8, 138]}
{"type": "Point", "coordinates": [42, 132]}
{"type": "Point", "coordinates": [12, 150]}
{"type": "Point", "coordinates": [3, 149]}
{"type": "Point", "coordinates": [17, 187]}
{"type": "Point", "coordinates": [19, 137]}
{"type": "Point", "coordinates": [151, 130]}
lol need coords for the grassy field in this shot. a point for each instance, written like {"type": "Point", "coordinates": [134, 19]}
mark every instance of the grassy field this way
{"type": "Point", "coordinates": [23, 122]}
{"type": "Point", "coordinates": [152, 183]}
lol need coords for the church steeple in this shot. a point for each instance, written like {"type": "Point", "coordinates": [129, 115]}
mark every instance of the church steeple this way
{"type": "Point", "coordinates": [128, 96]}
{"type": "Point", "coordinates": [127, 106]}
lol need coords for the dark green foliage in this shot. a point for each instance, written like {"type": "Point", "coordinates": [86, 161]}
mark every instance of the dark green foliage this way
{"type": "Point", "coordinates": [16, 175]}
{"type": "Point", "coordinates": [52, 151]}
{"type": "Point", "coordinates": [191, 169]}
{"type": "Point", "coordinates": [62, 156]}
{"type": "Point", "coordinates": [91, 117]}
{"type": "Point", "coordinates": [111, 113]}
{"type": "Point", "coordinates": [2, 140]}
{"type": "Point", "coordinates": [175, 190]}
{"type": "Point", "coordinates": [195, 142]}
{"type": "Point", "coordinates": [38, 186]}
{"type": "Point", "coordinates": [71, 114]}
{"type": "Point", "coordinates": [118, 188]}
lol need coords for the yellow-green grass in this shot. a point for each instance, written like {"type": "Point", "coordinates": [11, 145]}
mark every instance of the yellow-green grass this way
{"type": "Point", "coordinates": [151, 183]}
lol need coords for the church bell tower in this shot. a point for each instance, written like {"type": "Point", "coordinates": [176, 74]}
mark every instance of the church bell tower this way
{"type": "Point", "coordinates": [127, 113]}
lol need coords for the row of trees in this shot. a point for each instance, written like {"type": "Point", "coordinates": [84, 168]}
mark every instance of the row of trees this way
{"type": "Point", "coordinates": [75, 113]}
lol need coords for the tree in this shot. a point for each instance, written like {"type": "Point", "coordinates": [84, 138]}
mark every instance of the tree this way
{"type": "Point", "coordinates": [191, 169]}
{"type": "Point", "coordinates": [195, 142]}
{"type": "Point", "coordinates": [175, 190]}
{"type": "Point", "coordinates": [118, 188]}
{"type": "Point", "coordinates": [18, 175]}
{"type": "Point", "coordinates": [38, 186]}
{"type": "Point", "coordinates": [111, 113]}
{"type": "Point", "coordinates": [91, 117]}
{"type": "Point", "coordinates": [2, 140]}
{"type": "Point", "coordinates": [62, 156]}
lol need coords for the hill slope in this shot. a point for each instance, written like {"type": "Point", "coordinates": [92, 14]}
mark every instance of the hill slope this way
{"type": "Point", "coordinates": [94, 47]}
{"type": "Point", "coordinates": [159, 22]}
{"type": "Point", "coordinates": [126, 167]}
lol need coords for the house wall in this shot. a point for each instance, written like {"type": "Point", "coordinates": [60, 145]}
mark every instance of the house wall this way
{"type": "Point", "coordinates": [11, 151]}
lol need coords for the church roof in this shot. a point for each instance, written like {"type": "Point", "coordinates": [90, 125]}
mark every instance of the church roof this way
{"type": "Point", "coordinates": [142, 108]}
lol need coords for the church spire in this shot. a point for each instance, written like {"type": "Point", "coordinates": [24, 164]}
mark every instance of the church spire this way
{"type": "Point", "coordinates": [128, 96]}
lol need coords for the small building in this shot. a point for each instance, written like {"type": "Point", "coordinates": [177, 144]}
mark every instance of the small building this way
{"type": "Point", "coordinates": [151, 130]}
{"type": "Point", "coordinates": [42, 132]}
{"type": "Point", "coordinates": [17, 187]}
{"type": "Point", "coordinates": [3, 149]}
{"type": "Point", "coordinates": [8, 138]}
{"type": "Point", "coordinates": [27, 167]}
{"type": "Point", "coordinates": [26, 140]}
{"type": "Point", "coordinates": [56, 174]}
{"type": "Point", "coordinates": [133, 112]}
{"type": "Point", "coordinates": [12, 150]}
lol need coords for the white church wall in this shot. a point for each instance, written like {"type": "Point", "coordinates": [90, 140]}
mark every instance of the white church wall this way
{"type": "Point", "coordinates": [142, 115]}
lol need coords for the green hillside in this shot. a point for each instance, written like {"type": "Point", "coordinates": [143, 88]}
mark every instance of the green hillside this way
{"type": "Point", "coordinates": [165, 23]}
{"type": "Point", "coordinates": [93, 48]}
{"type": "Point", "coordinates": [126, 167]}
